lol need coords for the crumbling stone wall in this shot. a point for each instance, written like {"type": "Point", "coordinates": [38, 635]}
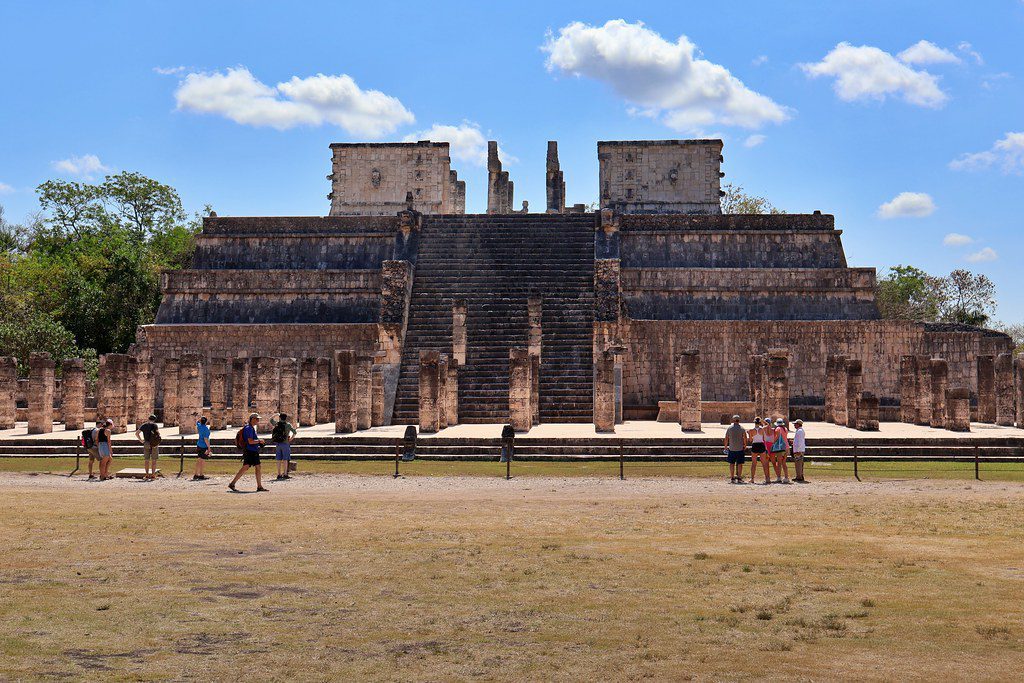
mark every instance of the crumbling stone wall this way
{"type": "Point", "coordinates": [661, 176]}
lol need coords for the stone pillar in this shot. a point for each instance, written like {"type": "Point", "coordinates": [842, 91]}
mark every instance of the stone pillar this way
{"type": "Point", "coordinates": [218, 378]}
{"type": "Point", "coordinates": [840, 407]}
{"type": "Point", "coordinates": [777, 398]}
{"type": "Point", "coordinates": [459, 332]}
{"type": "Point", "coordinates": [324, 404]}
{"type": "Point", "coordinates": [986, 389]}
{"type": "Point", "coordinates": [112, 403]}
{"type": "Point", "coordinates": [535, 388]}
{"type": "Point", "coordinates": [908, 389]}
{"type": "Point", "coordinates": [607, 289]}
{"type": "Point", "coordinates": [344, 391]}
{"type": "Point", "coordinates": [923, 387]}
{"type": "Point", "coordinates": [535, 332]}
{"type": "Point", "coordinates": [289, 379]}
{"type": "Point", "coordinates": [131, 390]}
{"type": "Point", "coordinates": [958, 410]}
{"type": "Point", "coordinates": [520, 384]}
{"type": "Point", "coordinates": [554, 180]}
{"type": "Point", "coordinates": [442, 391]}
{"type": "Point", "coordinates": [452, 406]}
{"type": "Point", "coordinates": [265, 389]}
{"type": "Point", "coordinates": [307, 393]}
{"type": "Point", "coordinates": [854, 384]}
{"type": "Point", "coordinates": [190, 392]}
{"type": "Point", "coordinates": [40, 393]}
{"type": "Point", "coordinates": [604, 392]}
{"type": "Point", "coordinates": [239, 392]}
{"type": "Point", "coordinates": [688, 389]}
{"type": "Point", "coordinates": [364, 388]}
{"type": "Point", "coordinates": [1004, 389]}
{"type": "Point", "coordinates": [867, 412]}
{"type": "Point", "coordinates": [1018, 368]}
{"type": "Point", "coordinates": [499, 188]}
{"type": "Point", "coordinates": [145, 400]}
{"type": "Point", "coordinates": [377, 396]}
{"type": "Point", "coordinates": [429, 391]}
{"type": "Point", "coordinates": [755, 382]}
{"type": "Point", "coordinates": [170, 404]}
{"type": "Point", "coordinates": [8, 392]}
{"type": "Point", "coordinates": [73, 393]}
{"type": "Point", "coordinates": [940, 382]}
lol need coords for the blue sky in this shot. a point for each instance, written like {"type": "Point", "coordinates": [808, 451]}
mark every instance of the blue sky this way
{"type": "Point", "coordinates": [846, 129]}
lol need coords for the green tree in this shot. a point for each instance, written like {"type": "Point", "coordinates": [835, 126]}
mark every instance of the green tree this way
{"type": "Point", "coordinates": [969, 299]}
{"type": "Point", "coordinates": [1016, 333]}
{"type": "Point", "coordinates": [736, 200]}
{"type": "Point", "coordinates": [909, 293]}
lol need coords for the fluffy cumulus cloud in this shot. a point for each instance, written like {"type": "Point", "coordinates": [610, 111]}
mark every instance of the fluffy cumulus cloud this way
{"type": "Point", "coordinates": [986, 254]}
{"type": "Point", "coordinates": [86, 166]}
{"type": "Point", "coordinates": [955, 239]}
{"type": "Point", "coordinates": [924, 52]}
{"type": "Point", "coordinates": [313, 101]}
{"type": "Point", "coordinates": [662, 79]}
{"type": "Point", "coordinates": [1007, 154]}
{"type": "Point", "coordinates": [467, 141]}
{"type": "Point", "coordinates": [869, 73]}
{"type": "Point", "coordinates": [907, 205]}
{"type": "Point", "coordinates": [754, 140]}
{"type": "Point", "coordinates": [5, 188]}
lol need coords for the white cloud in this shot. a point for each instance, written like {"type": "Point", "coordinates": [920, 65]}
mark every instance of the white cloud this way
{"type": "Point", "coordinates": [467, 141]}
{"type": "Point", "coordinates": [237, 95]}
{"type": "Point", "coordinates": [986, 254]}
{"type": "Point", "coordinates": [86, 166]}
{"type": "Point", "coordinates": [1007, 153]}
{"type": "Point", "coordinates": [967, 49]}
{"type": "Point", "coordinates": [907, 205]}
{"type": "Point", "coordinates": [754, 140]}
{"type": "Point", "coordinates": [759, 60]}
{"type": "Point", "coordinates": [992, 81]}
{"type": "Point", "coordinates": [924, 52]}
{"type": "Point", "coordinates": [955, 239]}
{"type": "Point", "coordinates": [869, 73]}
{"type": "Point", "coordinates": [169, 70]}
{"type": "Point", "coordinates": [5, 188]}
{"type": "Point", "coordinates": [663, 80]}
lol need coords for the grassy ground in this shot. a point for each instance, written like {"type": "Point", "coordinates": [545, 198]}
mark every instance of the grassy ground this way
{"type": "Point", "coordinates": [430, 578]}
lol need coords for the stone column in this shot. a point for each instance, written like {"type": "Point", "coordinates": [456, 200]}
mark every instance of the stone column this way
{"type": "Point", "coordinates": [923, 388]}
{"type": "Point", "coordinates": [377, 396]}
{"type": "Point", "coordinates": [688, 389]}
{"type": "Point", "coordinates": [324, 405]}
{"type": "Point", "coordinates": [986, 389]}
{"type": "Point", "coordinates": [958, 410]}
{"type": "Point", "coordinates": [459, 332]}
{"type": "Point", "coordinates": [218, 374]}
{"type": "Point", "coordinates": [940, 382]}
{"type": "Point", "coordinates": [145, 401]}
{"type": "Point", "coordinates": [519, 389]}
{"type": "Point", "coordinates": [778, 385]}
{"type": "Point", "coordinates": [364, 391]}
{"type": "Point", "coordinates": [1004, 389]}
{"type": "Point", "coordinates": [40, 393]}
{"type": "Point", "coordinates": [908, 389]}
{"type": "Point", "coordinates": [840, 407]}
{"type": "Point", "coordinates": [429, 391]}
{"type": "Point", "coordinates": [535, 387]}
{"type": "Point", "coordinates": [1018, 367]}
{"type": "Point", "coordinates": [442, 391]}
{"type": "Point", "coordinates": [755, 383]}
{"type": "Point", "coordinates": [854, 383]}
{"type": "Point", "coordinates": [170, 404]}
{"type": "Point", "coordinates": [190, 392]}
{"type": "Point", "coordinates": [112, 403]}
{"type": "Point", "coordinates": [307, 393]}
{"type": "Point", "coordinates": [867, 412]}
{"type": "Point", "coordinates": [266, 389]}
{"type": "Point", "coordinates": [535, 333]}
{"type": "Point", "coordinates": [604, 392]}
{"type": "Point", "coordinates": [344, 392]}
{"type": "Point", "coordinates": [289, 379]}
{"type": "Point", "coordinates": [73, 393]}
{"type": "Point", "coordinates": [830, 381]}
{"type": "Point", "coordinates": [452, 392]}
{"type": "Point", "coordinates": [239, 392]}
{"type": "Point", "coordinates": [8, 392]}
{"type": "Point", "coordinates": [131, 389]}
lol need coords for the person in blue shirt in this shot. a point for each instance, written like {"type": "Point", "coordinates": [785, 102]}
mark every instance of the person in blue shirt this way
{"type": "Point", "coordinates": [251, 455]}
{"type": "Point", "coordinates": [202, 449]}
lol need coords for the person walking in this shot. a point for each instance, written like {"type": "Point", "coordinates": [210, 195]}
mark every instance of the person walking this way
{"type": "Point", "coordinates": [282, 437]}
{"type": "Point", "coordinates": [799, 448]}
{"type": "Point", "coordinates": [103, 446]}
{"type": "Point", "coordinates": [251, 443]}
{"type": "Point", "coordinates": [91, 446]}
{"type": "Point", "coordinates": [758, 451]}
{"type": "Point", "coordinates": [736, 448]}
{"type": "Point", "coordinates": [149, 434]}
{"type": "Point", "coordinates": [202, 448]}
{"type": "Point", "coordinates": [780, 452]}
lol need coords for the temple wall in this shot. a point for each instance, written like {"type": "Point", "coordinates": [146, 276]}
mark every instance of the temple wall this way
{"type": "Point", "coordinates": [661, 176]}
{"type": "Point", "coordinates": [731, 249]}
{"type": "Point", "coordinates": [372, 179]}
{"type": "Point", "coordinates": [287, 252]}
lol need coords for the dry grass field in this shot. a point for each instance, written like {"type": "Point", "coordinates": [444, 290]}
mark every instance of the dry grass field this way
{"type": "Point", "coordinates": [344, 576]}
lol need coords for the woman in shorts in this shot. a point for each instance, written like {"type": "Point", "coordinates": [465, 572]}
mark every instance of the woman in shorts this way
{"type": "Point", "coordinates": [103, 446]}
{"type": "Point", "coordinates": [780, 451]}
{"type": "Point", "coordinates": [758, 451]}
{"type": "Point", "coordinates": [202, 448]}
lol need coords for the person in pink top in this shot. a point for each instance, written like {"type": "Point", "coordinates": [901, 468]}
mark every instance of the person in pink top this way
{"type": "Point", "coordinates": [780, 451]}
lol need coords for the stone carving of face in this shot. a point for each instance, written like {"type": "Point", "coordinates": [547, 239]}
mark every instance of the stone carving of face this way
{"type": "Point", "coordinates": [375, 178]}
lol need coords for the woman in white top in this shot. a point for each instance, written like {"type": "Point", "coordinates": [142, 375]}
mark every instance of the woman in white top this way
{"type": "Point", "coordinates": [758, 450]}
{"type": "Point", "coordinates": [779, 448]}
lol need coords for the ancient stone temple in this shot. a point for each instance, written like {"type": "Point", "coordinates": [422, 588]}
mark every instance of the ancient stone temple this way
{"type": "Point", "coordinates": [399, 272]}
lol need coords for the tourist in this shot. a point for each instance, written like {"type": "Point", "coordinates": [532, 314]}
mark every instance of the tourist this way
{"type": "Point", "coordinates": [282, 437]}
{"type": "Point", "coordinates": [758, 451]}
{"type": "Point", "coordinates": [91, 446]}
{"type": "Point", "coordinates": [103, 446]}
{"type": "Point", "coordinates": [780, 451]}
{"type": "Point", "coordinates": [736, 448]}
{"type": "Point", "coordinates": [508, 441]}
{"type": "Point", "coordinates": [202, 448]}
{"type": "Point", "coordinates": [799, 448]}
{"type": "Point", "coordinates": [409, 444]}
{"type": "Point", "coordinates": [252, 444]}
{"type": "Point", "coordinates": [149, 434]}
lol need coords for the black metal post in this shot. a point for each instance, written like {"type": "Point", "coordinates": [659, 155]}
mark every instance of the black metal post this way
{"type": "Point", "coordinates": [398, 447]}
{"type": "Point", "coordinates": [508, 461]}
{"type": "Point", "coordinates": [622, 474]}
{"type": "Point", "coordinates": [78, 455]}
{"type": "Point", "coordinates": [181, 455]}
{"type": "Point", "coordinates": [856, 473]}
{"type": "Point", "coordinates": [977, 473]}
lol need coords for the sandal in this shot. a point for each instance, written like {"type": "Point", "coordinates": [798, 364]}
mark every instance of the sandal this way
{"type": "Point", "coordinates": [231, 486]}
{"type": "Point", "coordinates": [260, 489]}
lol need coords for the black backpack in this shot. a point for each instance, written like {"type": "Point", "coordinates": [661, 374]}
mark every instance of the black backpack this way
{"type": "Point", "coordinates": [280, 433]}
{"type": "Point", "coordinates": [87, 440]}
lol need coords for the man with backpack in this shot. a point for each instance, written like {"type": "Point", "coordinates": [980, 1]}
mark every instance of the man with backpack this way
{"type": "Point", "coordinates": [247, 441]}
{"type": "Point", "coordinates": [149, 434]}
{"type": "Point", "coordinates": [89, 443]}
{"type": "Point", "coordinates": [282, 437]}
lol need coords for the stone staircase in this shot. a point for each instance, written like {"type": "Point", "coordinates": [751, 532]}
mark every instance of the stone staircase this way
{"type": "Point", "coordinates": [495, 263]}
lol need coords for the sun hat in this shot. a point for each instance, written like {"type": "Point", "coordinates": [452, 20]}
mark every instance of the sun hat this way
{"type": "Point", "coordinates": [798, 422]}
{"type": "Point", "coordinates": [735, 418]}
{"type": "Point", "coordinates": [780, 422]}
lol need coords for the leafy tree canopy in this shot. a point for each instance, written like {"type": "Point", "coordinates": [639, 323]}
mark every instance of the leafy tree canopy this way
{"type": "Point", "coordinates": [909, 293]}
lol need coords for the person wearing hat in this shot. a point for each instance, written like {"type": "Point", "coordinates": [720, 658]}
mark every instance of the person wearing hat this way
{"type": "Point", "coordinates": [735, 449]}
{"type": "Point", "coordinates": [103, 446]}
{"type": "Point", "coordinates": [799, 448]}
{"type": "Point", "coordinates": [780, 451]}
{"type": "Point", "coordinates": [251, 454]}
{"type": "Point", "coordinates": [149, 434]}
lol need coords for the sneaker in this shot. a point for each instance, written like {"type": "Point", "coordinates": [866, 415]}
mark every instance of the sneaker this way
{"type": "Point", "coordinates": [732, 480]}
{"type": "Point", "coordinates": [801, 481]}
{"type": "Point", "coordinates": [786, 481]}
{"type": "Point", "coordinates": [196, 477]}
{"type": "Point", "coordinates": [232, 487]}
{"type": "Point", "coordinates": [778, 481]}
{"type": "Point", "coordinates": [278, 478]}
{"type": "Point", "coordinates": [286, 476]}
{"type": "Point", "coordinates": [92, 476]}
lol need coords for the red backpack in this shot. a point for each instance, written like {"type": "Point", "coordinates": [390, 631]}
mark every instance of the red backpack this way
{"type": "Point", "coordinates": [240, 439]}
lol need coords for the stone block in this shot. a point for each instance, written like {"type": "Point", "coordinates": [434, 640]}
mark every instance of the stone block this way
{"type": "Point", "coordinates": [459, 332]}
{"type": "Point", "coordinates": [324, 403]}
{"type": "Point", "coordinates": [345, 392]}
{"type": "Point", "coordinates": [429, 391]}
{"type": "Point", "coordinates": [40, 393]}
{"type": "Point", "coordinates": [190, 392]}
{"type": "Point", "coordinates": [535, 387]}
{"type": "Point", "coordinates": [777, 396]}
{"type": "Point", "coordinates": [170, 392]}
{"type": "Point", "coordinates": [73, 393]}
{"type": "Point", "coordinates": [1018, 372]}
{"type": "Point", "coordinates": [307, 393]}
{"type": "Point", "coordinates": [688, 390]}
{"type": "Point", "coordinates": [239, 392]}
{"type": "Point", "coordinates": [958, 410]}
{"type": "Point", "coordinates": [986, 389]}
{"type": "Point", "coordinates": [867, 412]}
{"type": "Point", "coordinates": [604, 392]}
{"type": "Point", "coordinates": [217, 376]}
{"type": "Point", "coordinates": [838, 391]}
{"type": "Point", "coordinates": [923, 389]}
{"type": "Point", "coordinates": [266, 389]}
{"type": "Point", "coordinates": [8, 392]}
{"type": "Point", "coordinates": [289, 379]}
{"type": "Point", "coordinates": [668, 411]}
{"type": "Point", "coordinates": [112, 402]}
{"type": "Point", "coordinates": [377, 396]}
{"type": "Point", "coordinates": [145, 390]}
{"type": "Point", "coordinates": [364, 391]}
{"type": "Point", "coordinates": [940, 383]}
{"type": "Point", "coordinates": [452, 392]}
{"type": "Point", "coordinates": [520, 389]}
{"type": "Point", "coordinates": [908, 389]}
{"type": "Point", "coordinates": [1003, 370]}
{"type": "Point", "coordinates": [854, 385]}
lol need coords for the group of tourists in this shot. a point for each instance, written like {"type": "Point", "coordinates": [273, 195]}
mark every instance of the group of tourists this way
{"type": "Point", "coordinates": [769, 443]}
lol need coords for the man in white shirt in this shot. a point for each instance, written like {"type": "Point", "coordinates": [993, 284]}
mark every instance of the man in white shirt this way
{"type": "Point", "coordinates": [799, 448]}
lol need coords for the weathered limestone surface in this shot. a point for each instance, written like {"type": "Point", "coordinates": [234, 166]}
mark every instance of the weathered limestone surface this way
{"type": "Point", "coordinates": [266, 389]}
{"type": "Point", "coordinates": [840, 407]}
{"type": "Point", "coordinates": [939, 385]}
{"type": "Point", "coordinates": [923, 389]}
{"type": "Point", "coordinates": [217, 373]}
{"type": "Point", "coordinates": [777, 398]}
{"type": "Point", "coordinates": [345, 391]}
{"type": "Point", "coordinates": [606, 290]}
{"type": "Point", "coordinates": [604, 392]}
{"type": "Point", "coordinates": [452, 393]}
{"type": "Point", "coordinates": [520, 389]}
{"type": "Point", "coordinates": [289, 378]}
{"type": "Point", "coordinates": [867, 412]}
{"type": "Point", "coordinates": [755, 385]}
{"type": "Point", "coordinates": [307, 393]}
{"type": "Point", "coordinates": [131, 389]}
{"type": "Point", "coordinates": [364, 387]}
{"type": "Point", "coordinates": [239, 392]}
{"type": "Point", "coordinates": [1018, 367]}
{"type": "Point", "coordinates": [459, 332]}
{"type": "Point", "coordinates": [324, 404]}
{"type": "Point", "coordinates": [40, 393]}
{"type": "Point", "coordinates": [73, 393]}
{"type": "Point", "coordinates": [908, 389]}
{"type": "Point", "coordinates": [145, 390]}
{"type": "Point", "coordinates": [554, 180]}
{"type": "Point", "coordinates": [535, 334]}
{"type": "Point", "coordinates": [854, 384]}
{"type": "Point", "coordinates": [1003, 370]}
{"type": "Point", "coordinates": [535, 388]}
{"type": "Point", "coordinates": [429, 417]}
{"type": "Point", "coordinates": [442, 391]}
{"type": "Point", "coordinates": [170, 392]}
{"type": "Point", "coordinates": [688, 390]}
{"type": "Point", "coordinates": [661, 176]}
{"type": "Point", "coordinates": [112, 403]}
{"type": "Point", "coordinates": [8, 392]}
{"type": "Point", "coordinates": [499, 188]}
{"type": "Point", "coordinates": [986, 389]}
{"type": "Point", "coordinates": [377, 397]}
{"type": "Point", "coordinates": [958, 410]}
{"type": "Point", "coordinates": [190, 392]}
